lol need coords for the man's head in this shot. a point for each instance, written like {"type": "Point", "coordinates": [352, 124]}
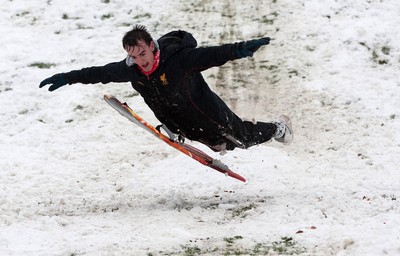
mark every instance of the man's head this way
{"type": "Point", "coordinates": [138, 33]}
{"type": "Point", "coordinates": [140, 47]}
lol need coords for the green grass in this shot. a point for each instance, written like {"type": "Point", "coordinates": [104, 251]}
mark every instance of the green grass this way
{"type": "Point", "coordinates": [232, 246]}
{"type": "Point", "coordinates": [42, 65]}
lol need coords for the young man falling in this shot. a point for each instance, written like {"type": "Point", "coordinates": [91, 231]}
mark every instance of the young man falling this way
{"type": "Point", "coordinates": [167, 74]}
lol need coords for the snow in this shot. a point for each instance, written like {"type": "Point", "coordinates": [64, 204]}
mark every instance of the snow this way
{"type": "Point", "coordinates": [76, 178]}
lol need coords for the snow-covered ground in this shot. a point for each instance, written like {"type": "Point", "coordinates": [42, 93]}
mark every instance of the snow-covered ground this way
{"type": "Point", "coordinates": [76, 178]}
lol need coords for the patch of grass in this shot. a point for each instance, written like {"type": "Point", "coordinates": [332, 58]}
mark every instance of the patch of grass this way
{"type": "Point", "coordinates": [23, 112]}
{"type": "Point", "coordinates": [42, 65]}
{"type": "Point", "coordinates": [383, 62]}
{"type": "Point", "coordinates": [24, 13]}
{"type": "Point", "coordinates": [385, 50]}
{"type": "Point", "coordinates": [241, 212]}
{"type": "Point", "coordinates": [142, 16]}
{"type": "Point", "coordinates": [365, 45]}
{"type": "Point", "coordinates": [391, 197]}
{"type": "Point", "coordinates": [230, 240]}
{"type": "Point", "coordinates": [293, 73]}
{"type": "Point", "coordinates": [81, 26]}
{"type": "Point", "coordinates": [125, 24]}
{"type": "Point", "coordinates": [78, 107]}
{"type": "Point", "coordinates": [284, 246]}
{"type": "Point", "coordinates": [269, 19]}
{"type": "Point", "coordinates": [191, 250]}
{"type": "Point", "coordinates": [132, 94]}
{"type": "Point", "coordinates": [269, 67]}
{"type": "Point", "coordinates": [106, 16]}
{"type": "Point", "coordinates": [377, 52]}
{"type": "Point", "coordinates": [67, 17]}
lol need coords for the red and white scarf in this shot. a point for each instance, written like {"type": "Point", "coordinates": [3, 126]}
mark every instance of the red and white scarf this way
{"type": "Point", "coordinates": [155, 64]}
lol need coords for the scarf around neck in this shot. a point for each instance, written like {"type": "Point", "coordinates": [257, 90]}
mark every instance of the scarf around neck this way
{"type": "Point", "coordinates": [155, 64]}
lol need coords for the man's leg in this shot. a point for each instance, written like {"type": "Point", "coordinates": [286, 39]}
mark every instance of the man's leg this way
{"type": "Point", "coordinates": [257, 133]}
{"type": "Point", "coordinates": [250, 134]}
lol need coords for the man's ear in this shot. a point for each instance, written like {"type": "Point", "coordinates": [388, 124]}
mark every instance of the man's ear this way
{"type": "Point", "coordinates": [154, 46]}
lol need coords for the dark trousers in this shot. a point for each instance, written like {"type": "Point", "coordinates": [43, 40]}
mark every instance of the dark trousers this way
{"type": "Point", "coordinates": [241, 134]}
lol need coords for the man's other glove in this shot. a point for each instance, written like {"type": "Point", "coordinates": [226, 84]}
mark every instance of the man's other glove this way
{"type": "Point", "coordinates": [56, 81]}
{"type": "Point", "coordinates": [246, 49]}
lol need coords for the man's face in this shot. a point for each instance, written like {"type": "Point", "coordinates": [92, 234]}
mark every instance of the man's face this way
{"type": "Point", "coordinates": [142, 54]}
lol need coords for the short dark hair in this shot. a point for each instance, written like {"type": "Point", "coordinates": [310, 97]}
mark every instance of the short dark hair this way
{"type": "Point", "coordinates": [139, 32]}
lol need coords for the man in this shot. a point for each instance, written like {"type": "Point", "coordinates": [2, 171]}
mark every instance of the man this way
{"type": "Point", "coordinates": [167, 75]}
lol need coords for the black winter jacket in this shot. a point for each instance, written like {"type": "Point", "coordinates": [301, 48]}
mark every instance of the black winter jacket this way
{"type": "Point", "coordinates": [176, 91]}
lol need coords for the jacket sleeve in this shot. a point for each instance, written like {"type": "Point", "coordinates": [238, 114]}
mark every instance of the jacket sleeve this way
{"type": "Point", "coordinates": [202, 58]}
{"type": "Point", "coordinates": [112, 72]}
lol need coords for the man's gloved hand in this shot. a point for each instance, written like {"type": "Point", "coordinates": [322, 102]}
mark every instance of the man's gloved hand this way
{"type": "Point", "coordinates": [246, 49]}
{"type": "Point", "coordinates": [56, 81]}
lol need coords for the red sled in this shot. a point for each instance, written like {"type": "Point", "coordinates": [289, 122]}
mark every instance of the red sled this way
{"type": "Point", "coordinates": [188, 150]}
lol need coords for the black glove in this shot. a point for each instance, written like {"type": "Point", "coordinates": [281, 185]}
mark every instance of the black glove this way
{"type": "Point", "coordinates": [56, 81]}
{"type": "Point", "coordinates": [246, 49]}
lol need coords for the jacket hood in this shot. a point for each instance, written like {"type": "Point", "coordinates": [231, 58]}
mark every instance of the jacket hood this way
{"type": "Point", "coordinates": [175, 41]}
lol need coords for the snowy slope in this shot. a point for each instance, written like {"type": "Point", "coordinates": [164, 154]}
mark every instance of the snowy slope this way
{"type": "Point", "coordinates": [78, 179]}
